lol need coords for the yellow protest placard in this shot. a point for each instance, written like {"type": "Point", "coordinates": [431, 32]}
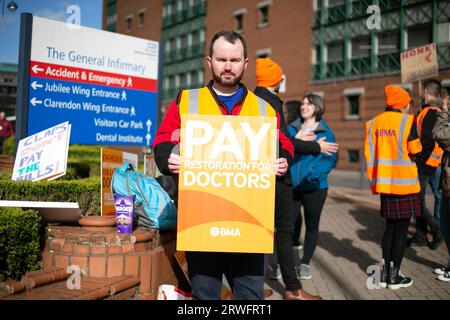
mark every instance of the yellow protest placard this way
{"type": "Point", "coordinates": [226, 195]}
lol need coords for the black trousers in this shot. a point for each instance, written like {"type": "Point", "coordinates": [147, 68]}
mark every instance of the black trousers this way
{"type": "Point", "coordinates": [312, 202]}
{"type": "Point", "coordinates": [393, 244]}
{"type": "Point", "coordinates": [284, 231]}
{"type": "Point", "coordinates": [243, 271]}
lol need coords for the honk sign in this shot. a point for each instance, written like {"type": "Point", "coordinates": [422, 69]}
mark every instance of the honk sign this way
{"type": "Point", "coordinates": [226, 195]}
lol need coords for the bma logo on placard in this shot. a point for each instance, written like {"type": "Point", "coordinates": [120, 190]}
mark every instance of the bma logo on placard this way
{"type": "Point", "coordinates": [224, 232]}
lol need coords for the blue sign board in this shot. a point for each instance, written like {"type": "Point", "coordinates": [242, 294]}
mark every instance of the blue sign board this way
{"type": "Point", "coordinates": [103, 83]}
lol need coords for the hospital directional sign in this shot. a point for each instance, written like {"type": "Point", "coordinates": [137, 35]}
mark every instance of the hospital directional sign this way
{"type": "Point", "coordinates": [103, 83]}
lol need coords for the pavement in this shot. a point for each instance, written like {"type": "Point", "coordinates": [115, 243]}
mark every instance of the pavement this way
{"type": "Point", "coordinates": [350, 234]}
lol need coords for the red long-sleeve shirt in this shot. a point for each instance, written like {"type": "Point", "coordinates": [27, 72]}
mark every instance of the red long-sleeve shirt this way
{"type": "Point", "coordinates": [5, 129]}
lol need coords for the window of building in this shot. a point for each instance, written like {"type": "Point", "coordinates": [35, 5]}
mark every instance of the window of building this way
{"type": "Point", "coordinates": [353, 155]}
{"type": "Point", "coordinates": [173, 44]}
{"type": "Point", "coordinates": [335, 51]}
{"type": "Point", "coordinates": [239, 22]}
{"type": "Point", "coordinates": [183, 81]}
{"type": "Point", "coordinates": [388, 42]}
{"type": "Point", "coordinates": [173, 8]}
{"type": "Point", "coordinates": [194, 80]}
{"type": "Point", "coordinates": [141, 18]}
{"type": "Point", "coordinates": [315, 55]}
{"type": "Point", "coordinates": [184, 4]}
{"type": "Point", "coordinates": [200, 77]}
{"type": "Point", "coordinates": [352, 101]}
{"type": "Point", "coordinates": [263, 53]}
{"type": "Point", "coordinates": [111, 20]}
{"type": "Point", "coordinates": [166, 83]}
{"type": "Point", "coordinates": [195, 37]}
{"type": "Point", "coordinates": [444, 32]}
{"type": "Point", "coordinates": [167, 46]}
{"type": "Point", "coordinates": [353, 105]}
{"type": "Point", "coordinates": [171, 82]}
{"type": "Point", "coordinates": [184, 41]}
{"type": "Point", "coordinates": [239, 19]}
{"type": "Point", "coordinates": [188, 80]}
{"type": "Point", "coordinates": [361, 47]}
{"type": "Point", "coordinates": [202, 36]}
{"type": "Point", "coordinates": [128, 20]}
{"type": "Point", "coordinates": [419, 36]}
{"type": "Point", "coordinates": [317, 4]}
{"type": "Point", "coordinates": [263, 9]}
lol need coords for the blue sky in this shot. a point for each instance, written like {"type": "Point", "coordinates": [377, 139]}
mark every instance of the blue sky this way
{"type": "Point", "coordinates": [91, 16]}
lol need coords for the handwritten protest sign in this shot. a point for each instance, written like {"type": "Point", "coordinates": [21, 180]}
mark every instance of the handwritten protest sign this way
{"type": "Point", "coordinates": [43, 155]}
{"type": "Point", "coordinates": [110, 160]}
{"type": "Point", "coordinates": [419, 63]}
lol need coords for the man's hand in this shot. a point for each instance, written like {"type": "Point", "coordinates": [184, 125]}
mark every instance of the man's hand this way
{"type": "Point", "coordinates": [281, 167]}
{"type": "Point", "coordinates": [305, 136]}
{"type": "Point", "coordinates": [174, 163]}
{"type": "Point", "coordinates": [327, 147]}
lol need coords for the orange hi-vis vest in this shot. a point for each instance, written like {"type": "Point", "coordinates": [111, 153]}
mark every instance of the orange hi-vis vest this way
{"type": "Point", "coordinates": [386, 150]}
{"type": "Point", "coordinates": [436, 156]}
{"type": "Point", "coordinates": [201, 101]}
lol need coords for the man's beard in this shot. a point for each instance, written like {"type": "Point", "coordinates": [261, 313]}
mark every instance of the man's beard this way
{"type": "Point", "coordinates": [227, 82]}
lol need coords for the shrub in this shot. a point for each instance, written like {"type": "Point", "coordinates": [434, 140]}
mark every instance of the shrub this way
{"type": "Point", "coordinates": [77, 151]}
{"type": "Point", "coordinates": [85, 160]}
{"type": "Point", "coordinates": [21, 236]}
{"type": "Point", "coordinates": [6, 174]}
{"type": "Point", "coordinates": [85, 168]}
{"type": "Point", "coordinates": [8, 146]}
{"type": "Point", "coordinates": [85, 191]}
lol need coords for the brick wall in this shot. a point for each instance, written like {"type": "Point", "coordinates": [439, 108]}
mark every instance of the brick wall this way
{"type": "Point", "coordinates": [96, 251]}
{"type": "Point", "coordinates": [289, 38]}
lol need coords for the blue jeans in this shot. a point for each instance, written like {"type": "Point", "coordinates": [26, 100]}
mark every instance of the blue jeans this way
{"type": "Point", "coordinates": [434, 184]}
{"type": "Point", "coordinates": [445, 221]}
{"type": "Point", "coordinates": [244, 273]}
{"type": "Point", "coordinates": [427, 219]}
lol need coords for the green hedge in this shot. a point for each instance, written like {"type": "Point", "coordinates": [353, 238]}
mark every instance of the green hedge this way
{"type": "Point", "coordinates": [77, 151]}
{"type": "Point", "coordinates": [8, 146]}
{"type": "Point", "coordinates": [84, 160]}
{"type": "Point", "coordinates": [21, 236]}
{"type": "Point", "coordinates": [85, 191]}
{"type": "Point", "coordinates": [84, 168]}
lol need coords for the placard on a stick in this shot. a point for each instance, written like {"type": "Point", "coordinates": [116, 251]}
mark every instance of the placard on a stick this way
{"type": "Point", "coordinates": [110, 160]}
{"type": "Point", "coordinates": [419, 63]}
{"type": "Point", "coordinates": [43, 155]}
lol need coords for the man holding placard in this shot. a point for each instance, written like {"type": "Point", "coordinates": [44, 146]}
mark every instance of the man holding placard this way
{"type": "Point", "coordinates": [227, 173]}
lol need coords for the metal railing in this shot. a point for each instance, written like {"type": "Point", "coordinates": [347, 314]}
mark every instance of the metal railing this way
{"type": "Point", "coordinates": [388, 62]}
{"type": "Point", "coordinates": [360, 66]}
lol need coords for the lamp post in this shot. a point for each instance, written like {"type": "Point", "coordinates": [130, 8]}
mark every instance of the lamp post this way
{"type": "Point", "coordinates": [12, 6]}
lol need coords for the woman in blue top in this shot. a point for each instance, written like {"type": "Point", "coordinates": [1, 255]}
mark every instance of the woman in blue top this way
{"type": "Point", "coordinates": [310, 175]}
